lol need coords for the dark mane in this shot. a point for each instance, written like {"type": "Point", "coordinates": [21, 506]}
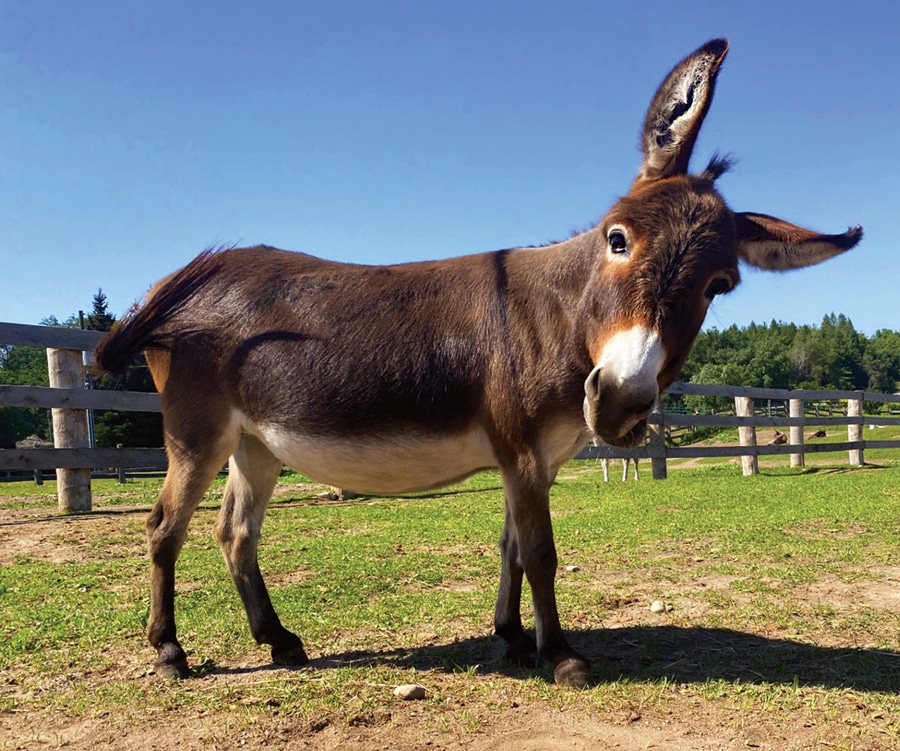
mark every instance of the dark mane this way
{"type": "Point", "coordinates": [718, 166]}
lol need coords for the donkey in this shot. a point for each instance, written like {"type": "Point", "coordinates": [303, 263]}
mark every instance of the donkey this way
{"type": "Point", "coordinates": [390, 379]}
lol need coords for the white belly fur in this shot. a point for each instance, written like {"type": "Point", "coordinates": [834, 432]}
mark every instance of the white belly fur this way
{"type": "Point", "coordinates": [384, 465]}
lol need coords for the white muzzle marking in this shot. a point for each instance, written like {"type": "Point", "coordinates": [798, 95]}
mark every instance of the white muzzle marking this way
{"type": "Point", "coordinates": [633, 359]}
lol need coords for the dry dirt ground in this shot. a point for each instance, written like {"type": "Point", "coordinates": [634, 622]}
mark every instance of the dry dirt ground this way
{"type": "Point", "coordinates": [675, 729]}
{"type": "Point", "coordinates": [668, 717]}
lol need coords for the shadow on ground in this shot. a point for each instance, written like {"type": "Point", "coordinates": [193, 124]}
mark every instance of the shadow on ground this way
{"type": "Point", "coordinates": [655, 653]}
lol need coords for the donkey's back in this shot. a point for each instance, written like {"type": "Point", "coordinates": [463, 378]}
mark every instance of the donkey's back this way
{"type": "Point", "coordinates": [383, 379]}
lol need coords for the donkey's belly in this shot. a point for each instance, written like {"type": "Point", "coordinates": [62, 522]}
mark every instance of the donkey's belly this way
{"type": "Point", "coordinates": [382, 464]}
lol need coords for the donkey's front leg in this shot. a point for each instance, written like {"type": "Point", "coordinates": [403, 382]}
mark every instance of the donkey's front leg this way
{"type": "Point", "coordinates": [528, 503]}
{"type": "Point", "coordinates": [252, 473]}
{"type": "Point", "coordinates": [522, 649]}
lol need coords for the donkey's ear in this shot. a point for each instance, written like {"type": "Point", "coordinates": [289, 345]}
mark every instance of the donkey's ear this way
{"type": "Point", "coordinates": [677, 111]}
{"type": "Point", "coordinates": [775, 245]}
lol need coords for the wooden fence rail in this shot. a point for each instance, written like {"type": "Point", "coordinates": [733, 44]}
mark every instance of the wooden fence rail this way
{"type": "Point", "coordinates": [69, 401]}
{"type": "Point", "coordinates": [81, 398]}
{"type": "Point", "coordinates": [747, 422]}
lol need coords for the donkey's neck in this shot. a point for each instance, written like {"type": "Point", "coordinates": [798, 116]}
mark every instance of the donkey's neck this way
{"type": "Point", "coordinates": [565, 268]}
{"type": "Point", "coordinates": [547, 289]}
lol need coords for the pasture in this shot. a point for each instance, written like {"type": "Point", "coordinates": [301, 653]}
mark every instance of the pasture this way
{"type": "Point", "coordinates": [782, 629]}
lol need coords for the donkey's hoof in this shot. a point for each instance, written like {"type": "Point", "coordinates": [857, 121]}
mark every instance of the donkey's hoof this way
{"type": "Point", "coordinates": [172, 663]}
{"type": "Point", "coordinates": [295, 655]}
{"type": "Point", "coordinates": [170, 672]}
{"type": "Point", "coordinates": [573, 672]}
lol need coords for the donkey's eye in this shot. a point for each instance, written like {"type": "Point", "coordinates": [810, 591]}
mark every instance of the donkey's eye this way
{"type": "Point", "coordinates": [617, 242]}
{"type": "Point", "coordinates": [718, 286]}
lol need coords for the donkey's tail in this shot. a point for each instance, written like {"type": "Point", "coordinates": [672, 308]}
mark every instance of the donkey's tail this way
{"type": "Point", "coordinates": [146, 325]}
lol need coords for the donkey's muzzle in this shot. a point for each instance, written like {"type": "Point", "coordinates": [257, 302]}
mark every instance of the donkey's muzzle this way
{"type": "Point", "coordinates": [617, 412]}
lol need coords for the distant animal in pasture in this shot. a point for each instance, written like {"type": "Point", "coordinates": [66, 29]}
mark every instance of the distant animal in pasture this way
{"type": "Point", "coordinates": [339, 494]}
{"type": "Point", "coordinates": [604, 462]}
{"type": "Point", "coordinates": [817, 434]}
{"type": "Point", "coordinates": [779, 439]}
{"type": "Point", "coordinates": [391, 379]}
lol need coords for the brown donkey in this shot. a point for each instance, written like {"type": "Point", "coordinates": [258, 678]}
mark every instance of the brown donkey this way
{"type": "Point", "coordinates": [389, 379]}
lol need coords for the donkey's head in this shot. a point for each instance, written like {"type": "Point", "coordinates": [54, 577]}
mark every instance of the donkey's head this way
{"type": "Point", "coordinates": [666, 250]}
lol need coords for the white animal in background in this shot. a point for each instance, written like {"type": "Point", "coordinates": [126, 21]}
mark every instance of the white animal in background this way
{"type": "Point", "coordinates": [605, 464]}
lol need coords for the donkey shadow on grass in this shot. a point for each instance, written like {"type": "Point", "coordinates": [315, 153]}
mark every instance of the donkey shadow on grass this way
{"type": "Point", "coordinates": [654, 653]}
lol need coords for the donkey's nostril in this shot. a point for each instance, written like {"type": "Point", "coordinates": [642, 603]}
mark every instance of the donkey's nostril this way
{"type": "Point", "coordinates": [648, 407]}
{"type": "Point", "coordinates": [592, 384]}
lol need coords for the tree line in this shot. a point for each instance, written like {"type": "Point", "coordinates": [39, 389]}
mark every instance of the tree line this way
{"type": "Point", "coordinates": [27, 366]}
{"type": "Point", "coordinates": [833, 355]}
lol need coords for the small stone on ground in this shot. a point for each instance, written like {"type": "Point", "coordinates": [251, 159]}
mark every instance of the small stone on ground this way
{"type": "Point", "coordinates": [410, 692]}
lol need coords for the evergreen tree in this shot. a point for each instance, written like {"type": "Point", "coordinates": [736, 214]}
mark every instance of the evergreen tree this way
{"type": "Point", "coordinates": [23, 366]}
{"type": "Point", "coordinates": [27, 366]}
{"type": "Point", "coordinates": [131, 429]}
{"type": "Point", "coordinates": [881, 361]}
{"type": "Point", "coordinates": [100, 319]}
{"type": "Point", "coordinates": [783, 355]}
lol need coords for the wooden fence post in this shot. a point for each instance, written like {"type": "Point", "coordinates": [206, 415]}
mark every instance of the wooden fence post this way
{"type": "Point", "coordinates": [658, 442]}
{"type": "Point", "coordinates": [796, 433]}
{"type": "Point", "coordinates": [121, 478]}
{"type": "Point", "coordinates": [70, 430]}
{"type": "Point", "coordinates": [743, 407]}
{"type": "Point", "coordinates": [854, 432]}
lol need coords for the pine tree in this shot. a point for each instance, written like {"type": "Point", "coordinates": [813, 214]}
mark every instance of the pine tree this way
{"type": "Point", "coordinates": [100, 319]}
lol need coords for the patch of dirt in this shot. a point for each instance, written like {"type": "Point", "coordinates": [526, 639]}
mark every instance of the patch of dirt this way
{"type": "Point", "coordinates": [298, 575]}
{"type": "Point", "coordinates": [51, 537]}
{"type": "Point", "coordinates": [694, 725]}
{"type": "Point", "coordinates": [285, 490]}
{"type": "Point", "coordinates": [881, 594]}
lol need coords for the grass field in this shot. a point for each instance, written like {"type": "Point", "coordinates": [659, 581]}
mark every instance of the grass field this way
{"type": "Point", "coordinates": [783, 595]}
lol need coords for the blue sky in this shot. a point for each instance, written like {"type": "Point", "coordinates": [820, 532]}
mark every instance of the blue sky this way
{"type": "Point", "coordinates": [134, 134]}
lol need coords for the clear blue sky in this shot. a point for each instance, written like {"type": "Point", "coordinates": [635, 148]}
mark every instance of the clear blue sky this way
{"type": "Point", "coordinates": [135, 134]}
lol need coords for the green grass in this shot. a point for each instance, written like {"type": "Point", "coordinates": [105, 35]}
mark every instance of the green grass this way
{"type": "Point", "coordinates": [383, 589]}
{"type": "Point", "coordinates": [25, 494]}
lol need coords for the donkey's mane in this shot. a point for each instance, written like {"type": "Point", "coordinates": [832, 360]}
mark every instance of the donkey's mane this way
{"type": "Point", "coordinates": [718, 165]}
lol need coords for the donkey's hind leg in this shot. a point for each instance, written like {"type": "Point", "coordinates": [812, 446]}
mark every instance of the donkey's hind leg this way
{"type": "Point", "coordinates": [190, 474]}
{"type": "Point", "coordinates": [253, 471]}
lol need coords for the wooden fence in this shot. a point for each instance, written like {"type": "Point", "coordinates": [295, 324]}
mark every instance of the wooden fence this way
{"type": "Point", "coordinates": [747, 420]}
{"type": "Point", "coordinates": [69, 401]}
